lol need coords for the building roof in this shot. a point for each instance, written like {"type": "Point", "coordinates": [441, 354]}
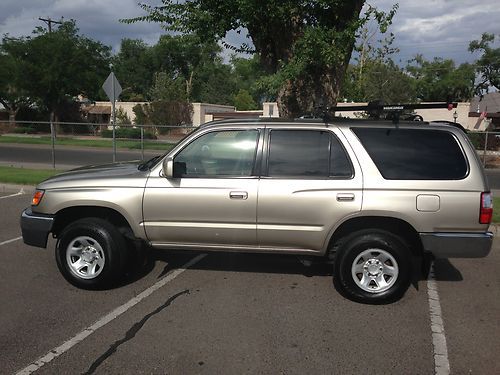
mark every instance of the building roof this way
{"type": "Point", "coordinates": [489, 103]}
{"type": "Point", "coordinates": [98, 110]}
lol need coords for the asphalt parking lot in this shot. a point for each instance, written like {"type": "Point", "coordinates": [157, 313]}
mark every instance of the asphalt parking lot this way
{"type": "Point", "coordinates": [187, 313]}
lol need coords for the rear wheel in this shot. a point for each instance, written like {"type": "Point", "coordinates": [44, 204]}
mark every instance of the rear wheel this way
{"type": "Point", "coordinates": [90, 253]}
{"type": "Point", "coordinates": [372, 266]}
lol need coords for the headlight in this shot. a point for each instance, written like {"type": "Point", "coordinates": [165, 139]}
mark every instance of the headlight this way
{"type": "Point", "coordinates": [37, 197]}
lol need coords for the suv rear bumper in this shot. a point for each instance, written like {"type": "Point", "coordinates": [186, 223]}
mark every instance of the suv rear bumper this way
{"type": "Point", "coordinates": [457, 245]}
{"type": "Point", "coordinates": [36, 228]}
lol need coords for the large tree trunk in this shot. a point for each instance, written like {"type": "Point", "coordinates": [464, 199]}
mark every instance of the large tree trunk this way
{"type": "Point", "coordinates": [8, 127]}
{"type": "Point", "coordinates": [311, 94]}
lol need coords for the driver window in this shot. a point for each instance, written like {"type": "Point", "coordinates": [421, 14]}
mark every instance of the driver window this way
{"type": "Point", "coordinates": [228, 153]}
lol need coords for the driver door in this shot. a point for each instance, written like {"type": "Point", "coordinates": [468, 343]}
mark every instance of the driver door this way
{"type": "Point", "coordinates": [212, 198]}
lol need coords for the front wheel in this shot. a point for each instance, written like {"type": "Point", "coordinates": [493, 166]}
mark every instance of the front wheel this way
{"type": "Point", "coordinates": [90, 253]}
{"type": "Point", "coordinates": [372, 266]}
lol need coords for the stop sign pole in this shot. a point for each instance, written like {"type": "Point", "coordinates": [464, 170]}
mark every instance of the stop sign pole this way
{"type": "Point", "coordinates": [113, 90]}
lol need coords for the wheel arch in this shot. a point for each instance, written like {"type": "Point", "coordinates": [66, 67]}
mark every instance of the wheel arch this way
{"type": "Point", "coordinates": [396, 226]}
{"type": "Point", "coordinates": [68, 215]}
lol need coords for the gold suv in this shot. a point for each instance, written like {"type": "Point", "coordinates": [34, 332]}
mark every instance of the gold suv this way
{"type": "Point", "coordinates": [370, 195]}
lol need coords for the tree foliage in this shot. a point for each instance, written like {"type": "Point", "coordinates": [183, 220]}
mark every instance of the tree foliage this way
{"type": "Point", "coordinates": [488, 65]}
{"type": "Point", "coordinates": [380, 81]}
{"type": "Point", "coordinates": [13, 95]}
{"type": "Point", "coordinates": [163, 112]}
{"type": "Point", "coordinates": [180, 67]}
{"type": "Point", "coordinates": [305, 46]}
{"type": "Point", "coordinates": [243, 101]}
{"type": "Point", "coordinates": [55, 67]}
{"type": "Point", "coordinates": [441, 80]}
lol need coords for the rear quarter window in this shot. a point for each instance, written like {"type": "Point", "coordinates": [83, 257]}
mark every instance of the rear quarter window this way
{"type": "Point", "coordinates": [414, 154]}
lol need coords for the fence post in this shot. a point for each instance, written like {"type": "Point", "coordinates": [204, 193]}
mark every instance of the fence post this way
{"type": "Point", "coordinates": [485, 148]}
{"type": "Point", "coordinates": [142, 142]}
{"type": "Point", "coordinates": [53, 140]}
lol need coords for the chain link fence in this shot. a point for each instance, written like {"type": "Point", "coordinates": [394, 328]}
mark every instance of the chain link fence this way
{"type": "Point", "coordinates": [121, 143]}
{"type": "Point", "coordinates": [132, 142]}
{"type": "Point", "coordinates": [487, 145]}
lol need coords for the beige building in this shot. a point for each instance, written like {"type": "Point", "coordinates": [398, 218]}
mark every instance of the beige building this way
{"type": "Point", "coordinates": [476, 115]}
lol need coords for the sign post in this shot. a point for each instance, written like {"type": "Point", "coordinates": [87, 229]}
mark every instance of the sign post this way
{"type": "Point", "coordinates": [113, 90]}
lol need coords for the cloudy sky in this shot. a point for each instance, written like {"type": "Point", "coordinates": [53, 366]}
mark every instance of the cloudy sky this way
{"type": "Point", "coordinates": [432, 27]}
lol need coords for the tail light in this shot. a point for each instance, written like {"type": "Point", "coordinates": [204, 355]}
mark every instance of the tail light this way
{"type": "Point", "coordinates": [486, 211]}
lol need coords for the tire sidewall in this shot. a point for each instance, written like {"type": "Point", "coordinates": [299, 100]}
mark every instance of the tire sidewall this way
{"type": "Point", "coordinates": [108, 238]}
{"type": "Point", "coordinates": [355, 245]}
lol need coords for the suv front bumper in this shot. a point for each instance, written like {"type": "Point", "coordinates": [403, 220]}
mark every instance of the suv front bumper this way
{"type": "Point", "coordinates": [457, 245]}
{"type": "Point", "coordinates": [36, 228]}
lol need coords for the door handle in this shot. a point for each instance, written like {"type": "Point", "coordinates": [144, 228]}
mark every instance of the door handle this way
{"type": "Point", "coordinates": [345, 197]}
{"type": "Point", "coordinates": [238, 195]}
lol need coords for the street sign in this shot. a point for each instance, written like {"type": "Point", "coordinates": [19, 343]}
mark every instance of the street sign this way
{"type": "Point", "coordinates": [112, 87]}
{"type": "Point", "coordinates": [113, 90]}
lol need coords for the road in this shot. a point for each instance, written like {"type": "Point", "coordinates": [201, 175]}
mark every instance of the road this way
{"type": "Point", "coordinates": [40, 156]}
{"type": "Point", "coordinates": [236, 313]}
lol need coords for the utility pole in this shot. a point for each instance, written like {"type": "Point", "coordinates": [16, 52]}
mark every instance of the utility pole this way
{"type": "Point", "coordinates": [50, 21]}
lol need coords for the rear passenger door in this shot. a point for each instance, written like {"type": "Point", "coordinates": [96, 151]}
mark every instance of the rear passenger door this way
{"type": "Point", "coordinates": [309, 182]}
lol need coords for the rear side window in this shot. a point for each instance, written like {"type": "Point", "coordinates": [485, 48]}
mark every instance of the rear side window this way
{"type": "Point", "coordinates": [307, 154]}
{"type": "Point", "coordinates": [414, 154]}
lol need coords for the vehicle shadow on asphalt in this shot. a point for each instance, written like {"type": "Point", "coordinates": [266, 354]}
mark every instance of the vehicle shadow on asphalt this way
{"type": "Point", "coordinates": [143, 265]}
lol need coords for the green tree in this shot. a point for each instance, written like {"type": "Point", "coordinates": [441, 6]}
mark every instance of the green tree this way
{"type": "Point", "coordinates": [488, 65]}
{"type": "Point", "coordinates": [250, 76]}
{"type": "Point", "coordinates": [243, 101]}
{"type": "Point", "coordinates": [380, 81]}
{"type": "Point", "coordinates": [374, 75]}
{"type": "Point", "coordinates": [12, 94]}
{"type": "Point", "coordinates": [441, 80]}
{"type": "Point", "coordinates": [166, 87]}
{"type": "Point", "coordinates": [306, 45]}
{"type": "Point", "coordinates": [134, 69]}
{"type": "Point", "coordinates": [58, 66]}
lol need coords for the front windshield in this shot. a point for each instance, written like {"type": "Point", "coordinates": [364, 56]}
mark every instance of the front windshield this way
{"type": "Point", "coordinates": [150, 163]}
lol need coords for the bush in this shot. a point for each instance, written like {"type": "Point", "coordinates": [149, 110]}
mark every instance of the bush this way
{"type": "Point", "coordinates": [477, 140]}
{"type": "Point", "coordinates": [25, 130]}
{"type": "Point", "coordinates": [129, 133]}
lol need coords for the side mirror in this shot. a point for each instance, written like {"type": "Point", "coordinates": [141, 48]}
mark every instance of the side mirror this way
{"type": "Point", "coordinates": [168, 167]}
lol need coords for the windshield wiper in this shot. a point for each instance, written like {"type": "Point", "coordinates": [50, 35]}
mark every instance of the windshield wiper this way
{"type": "Point", "coordinates": [148, 164]}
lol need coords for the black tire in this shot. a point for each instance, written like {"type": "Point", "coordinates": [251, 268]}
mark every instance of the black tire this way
{"type": "Point", "coordinates": [90, 253]}
{"type": "Point", "coordinates": [384, 264]}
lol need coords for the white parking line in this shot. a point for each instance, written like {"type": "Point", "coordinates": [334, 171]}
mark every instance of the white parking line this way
{"type": "Point", "coordinates": [9, 241]}
{"type": "Point", "coordinates": [56, 352]}
{"type": "Point", "coordinates": [441, 362]}
{"type": "Point", "coordinates": [20, 192]}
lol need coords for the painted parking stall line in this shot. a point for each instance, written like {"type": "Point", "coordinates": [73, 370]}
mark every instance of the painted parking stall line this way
{"type": "Point", "coordinates": [11, 240]}
{"type": "Point", "coordinates": [441, 362]}
{"type": "Point", "coordinates": [20, 192]}
{"type": "Point", "coordinates": [56, 352]}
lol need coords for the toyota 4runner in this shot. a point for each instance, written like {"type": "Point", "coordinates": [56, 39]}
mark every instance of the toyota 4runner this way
{"type": "Point", "coordinates": [369, 195]}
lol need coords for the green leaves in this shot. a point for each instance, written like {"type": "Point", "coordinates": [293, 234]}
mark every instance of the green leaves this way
{"type": "Point", "coordinates": [56, 66]}
{"type": "Point", "coordinates": [441, 80]}
{"type": "Point", "coordinates": [488, 65]}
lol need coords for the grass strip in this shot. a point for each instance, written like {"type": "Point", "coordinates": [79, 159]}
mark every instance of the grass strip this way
{"type": "Point", "coordinates": [25, 176]}
{"type": "Point", "coordinates": [496, 210]}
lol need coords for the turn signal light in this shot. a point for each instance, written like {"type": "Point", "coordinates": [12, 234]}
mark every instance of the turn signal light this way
{"type": "Point", "coordinates": [486, 211]}
{"type": "Point", "coordinates": [37, 197]}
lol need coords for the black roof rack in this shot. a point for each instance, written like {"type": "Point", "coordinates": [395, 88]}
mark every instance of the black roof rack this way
{"type": "Point", "coordinates": [376, 110]}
